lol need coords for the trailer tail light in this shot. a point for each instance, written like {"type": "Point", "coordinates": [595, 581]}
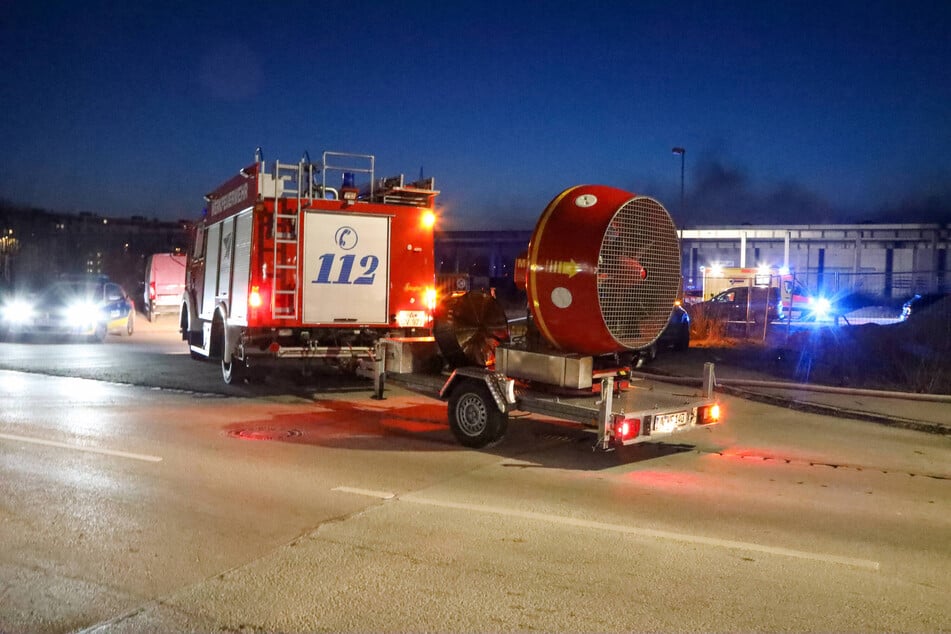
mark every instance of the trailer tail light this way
{"type": "Point", "coordinates": [627, 429]}
{"type": "Point", "coordinates": [254, 299]}
{"type": "Point", "coordinates": [708, 414]}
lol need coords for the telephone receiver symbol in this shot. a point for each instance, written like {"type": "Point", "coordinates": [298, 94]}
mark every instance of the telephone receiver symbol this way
{"type": "Point", "coordinates": [342, 241]}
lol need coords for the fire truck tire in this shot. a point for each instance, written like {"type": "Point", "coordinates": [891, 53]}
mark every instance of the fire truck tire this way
{"type": "Point", "coordinates": [474, 418]}
{"type": "Point", "coordinates": [234, 372]}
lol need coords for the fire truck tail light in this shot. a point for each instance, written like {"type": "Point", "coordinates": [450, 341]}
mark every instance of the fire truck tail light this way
{"type": "Point", "coordinates": [428, 220]}
{"type": "Point", "coordinates": [429, 299]}
{"type": "Point", "coordinates": [709, 414]}
{"type": "Point", "coordinates": [254, 299]}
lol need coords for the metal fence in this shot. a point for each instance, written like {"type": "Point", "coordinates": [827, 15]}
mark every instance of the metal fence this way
{"type": "Point", "coordinates": [888, 286]}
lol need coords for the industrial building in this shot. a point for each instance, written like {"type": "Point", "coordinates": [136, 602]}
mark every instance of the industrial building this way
{"type": "Point", "coordinates": [885, 260]}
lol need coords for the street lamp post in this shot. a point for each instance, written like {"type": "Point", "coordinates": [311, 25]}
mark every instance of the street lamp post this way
{"type": "Point", "coordinates": [681, 151]}
{"type": "Point", "coordinates": [680, 234]}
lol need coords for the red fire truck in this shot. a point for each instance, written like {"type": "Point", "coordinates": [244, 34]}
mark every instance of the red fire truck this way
{"type": "Point", "coordinates": [308, 261]}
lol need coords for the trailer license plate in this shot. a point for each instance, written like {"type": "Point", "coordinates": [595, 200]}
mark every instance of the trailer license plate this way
{"type": "Point", "coordinates": [669, 422]}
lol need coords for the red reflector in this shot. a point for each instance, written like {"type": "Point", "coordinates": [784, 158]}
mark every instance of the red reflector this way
{"type": "Point", "coordinates": [274, 347]}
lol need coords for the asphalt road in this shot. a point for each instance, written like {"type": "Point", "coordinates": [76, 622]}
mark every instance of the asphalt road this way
{"type": "Point", "coordinates": [309, 506]}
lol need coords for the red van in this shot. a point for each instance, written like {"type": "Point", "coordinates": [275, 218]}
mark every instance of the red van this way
{"type": "Point", "coordinates": [164, 284]}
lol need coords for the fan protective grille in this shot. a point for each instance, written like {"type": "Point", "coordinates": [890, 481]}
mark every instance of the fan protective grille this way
{"type": "Point", "coordinates": [638, 272]}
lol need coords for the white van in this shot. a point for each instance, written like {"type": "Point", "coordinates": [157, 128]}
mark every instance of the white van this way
{"type": "Point", "coordinates": [164, 284]}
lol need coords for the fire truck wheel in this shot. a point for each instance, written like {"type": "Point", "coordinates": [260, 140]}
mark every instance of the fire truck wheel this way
{"type": "Point", "coordinates": [474, 418]}
{"type": "Point", "coordinates": [234, 372]}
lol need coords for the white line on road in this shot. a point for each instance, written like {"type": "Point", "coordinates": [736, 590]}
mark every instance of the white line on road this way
{"type": "Point", "coordinates": [383, 495]}
{"type": "Point", "coordinates": [865, 564]}
{"type": "Point", "coordinates": [61, 445]}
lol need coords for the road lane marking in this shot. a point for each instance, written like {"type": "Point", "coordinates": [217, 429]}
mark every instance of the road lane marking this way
{"type": "Point", "coordinates": [62, 445]}
{"type": "Point", "coordinates": [864, 564]}
{"type": "Point", "coordinates": [650, 532]}
{"type": "Point", "coordinates": [382, 495]}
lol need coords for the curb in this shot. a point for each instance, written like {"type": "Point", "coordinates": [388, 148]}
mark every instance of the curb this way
{"type": "Point", "coordinates": [828, 410]}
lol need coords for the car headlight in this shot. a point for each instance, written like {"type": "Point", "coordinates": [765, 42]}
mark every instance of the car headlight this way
{"type": "Point", "coordinates": [83, 312]}
{"type": "Point", "coordinates": [17, 312]}
{"type": "Point", "coordinates": [822, 307]}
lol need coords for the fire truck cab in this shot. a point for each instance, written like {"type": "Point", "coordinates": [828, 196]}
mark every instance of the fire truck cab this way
{"type": "Point", "coordinates": [308, 261]}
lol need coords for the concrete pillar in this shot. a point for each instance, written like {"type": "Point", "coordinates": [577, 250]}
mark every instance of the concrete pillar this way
{"type": "Point", "coordinates": [786, 250]}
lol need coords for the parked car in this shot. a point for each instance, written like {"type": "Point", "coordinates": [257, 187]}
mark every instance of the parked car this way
{"type": "Point", "coordinates": [164, 284]}
{"type": "Point", "coordinates": [734, 304]}
{"type": "Point", "coordinates": [675, 336]}
{"type": "Point", "coordinates": [80, 306]}
{"type": "Point", "coordinates": [919, 302]}
{"type": "Point", "coordinates": [676, 333]}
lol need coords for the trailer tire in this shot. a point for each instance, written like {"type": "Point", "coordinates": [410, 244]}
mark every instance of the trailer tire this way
{"type": "Point", "coordinates": [474, 418]}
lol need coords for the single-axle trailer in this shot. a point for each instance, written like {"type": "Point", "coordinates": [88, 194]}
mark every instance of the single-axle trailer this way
{"type": "Point", "coordinates": [621, 409]}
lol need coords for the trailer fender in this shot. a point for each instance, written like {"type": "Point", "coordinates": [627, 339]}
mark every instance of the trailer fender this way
{"type": "Point", "coordinates": [500, 386]}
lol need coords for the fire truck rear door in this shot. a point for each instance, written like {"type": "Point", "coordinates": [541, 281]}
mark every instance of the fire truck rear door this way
{"type": "Point", "coordinates": [346, 268]}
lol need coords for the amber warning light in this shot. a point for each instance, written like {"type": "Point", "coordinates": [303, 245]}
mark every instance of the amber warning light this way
{"type": "Point", "coordinates": [709, 414]}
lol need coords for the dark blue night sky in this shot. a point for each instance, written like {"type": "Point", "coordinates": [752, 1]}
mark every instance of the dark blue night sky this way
{"type": "Point", "coordinates": [789, 112]}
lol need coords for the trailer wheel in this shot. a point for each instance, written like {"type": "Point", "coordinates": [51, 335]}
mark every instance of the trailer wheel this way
{"type": "Point", "coordinates": [474, 418]}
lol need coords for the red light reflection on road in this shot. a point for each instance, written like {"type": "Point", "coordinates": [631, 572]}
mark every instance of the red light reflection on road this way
{"type": "Point", "coordinates": [340, 422]}
{"type": "Point", "coordinates": [666, 480]}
